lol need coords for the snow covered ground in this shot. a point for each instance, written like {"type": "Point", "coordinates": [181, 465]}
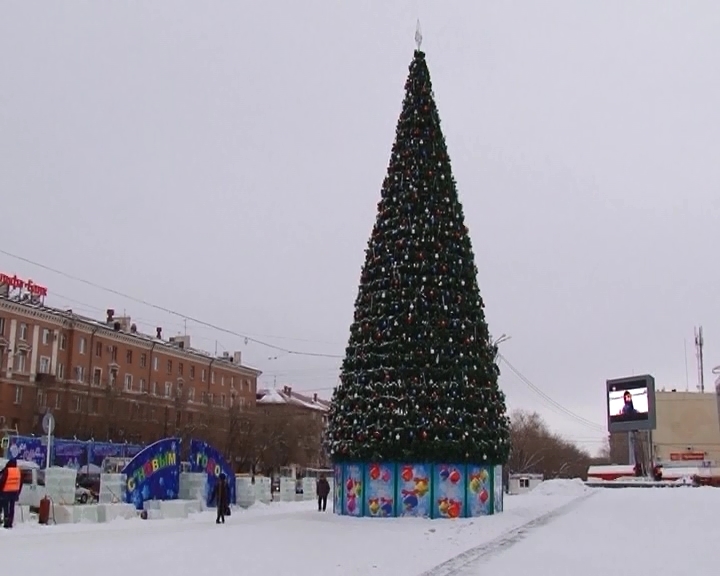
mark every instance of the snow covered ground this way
{"type": "Point", "coordinates": [562, 527]}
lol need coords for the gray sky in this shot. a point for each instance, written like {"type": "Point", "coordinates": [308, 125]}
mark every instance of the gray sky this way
{"type": "Point", "coordinates": [224, 159]}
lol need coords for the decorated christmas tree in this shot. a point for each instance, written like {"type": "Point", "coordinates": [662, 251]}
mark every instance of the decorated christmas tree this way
{"type": "Point", "coordinates": [419, 382]}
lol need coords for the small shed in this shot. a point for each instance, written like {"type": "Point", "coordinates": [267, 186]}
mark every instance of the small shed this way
{"type": "Point", "coordinates": [523, 483]}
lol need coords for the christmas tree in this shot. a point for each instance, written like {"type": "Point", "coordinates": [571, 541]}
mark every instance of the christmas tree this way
{"type": "Point", "coordinates": [419, 382]}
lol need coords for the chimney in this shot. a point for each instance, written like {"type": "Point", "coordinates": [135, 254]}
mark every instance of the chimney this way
{"type": "Point", "coordinates": [159, 332]}
{"type": "Point", "coordinates": [237, 358]}
{"type": "Point", "coordinates": [116, 326]}
{"type": "Point", "coordinates": [289, 391]}
{"type": "Point", "coordinates": [133, 328]}
{"type": "Point", "coordinates": [315, 397]}
{"type": "Point", "coordinates": [110, 315]}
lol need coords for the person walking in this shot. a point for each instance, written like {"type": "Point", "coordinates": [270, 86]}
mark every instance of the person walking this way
{"type": "Point", "coordinates": [220, 496]}
{"type": "Point", "coordinates": [10, 485]}
{"type": "Point", "coordinates": [323, 491]}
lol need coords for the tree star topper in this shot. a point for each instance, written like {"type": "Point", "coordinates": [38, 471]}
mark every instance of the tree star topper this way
{"type": "Point", "coordinates": [418, 35]}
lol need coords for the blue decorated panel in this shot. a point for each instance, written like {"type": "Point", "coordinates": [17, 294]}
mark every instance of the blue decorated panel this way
{"type": "Point", "coordinates": [479, 490]}
{"type": "Point", "coordinates": [338, 487]}
{"type": "Point", "coordinates": [448, 484]}
{"type": "Point", "coordinates": [352, 498]}
{"type": "Point", "coordinates": [498, 490]}
{"type": "Point", "coordinates": [380, 490]}
{"type": "Point", "coordinates": [413, 490]}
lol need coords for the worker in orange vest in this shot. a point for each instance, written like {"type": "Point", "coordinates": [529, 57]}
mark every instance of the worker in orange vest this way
{"type": "Point", "coordinates": [10, 484]}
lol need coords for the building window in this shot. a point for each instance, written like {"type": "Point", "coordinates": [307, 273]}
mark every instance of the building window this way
{"type": "Point", "coordinates": [113, 353]}
{"type": "Point", "coordinates": [78, 403]}
{"type": "Point", "coordinates": [63, 341]}
{"type": "Point", "coordinates": [211, 399]}
{"type": "Point", "coordinates": [60, 371]}
{"type": "Point", "coordinates": [189, 417]}
{"type": "Point", "coordinates": [143, 360]}
{"type": "Point", "coordinates": [191, 394]}
{"type": "Point", "coordinates": [81, 345]}
{"type": "Point", "coordinates": [180, 368]}
{"type": "Point", "coordinates": [23, 332]}
{"type": "Point", "coordinates": [95, 405]}
{"type": "Point", "coordinates": [169, 366]}
{"type": "Point", "coordinates": [143, 386]}
{"type": "Point", "coordinates": [203, 375]}
{"type": "Point", "coordinates": [154, 389]}
{"type": "Point", "coordinates": [192, 372]}
{"type": "Point", "coordinates": [128, 383]}
{"type": "Point", "coordinates": [44, 365]}
{"type": "Point", "coordinates": [97, 376]}
{"type": "Point", "coordinates": [222, 400]}
{"type": "Point", "coordinates": [232, 382]}
{"type": "Point", "coordinates": [246, 385]}
{"type": "Point", "coordinates": [80, 373]}
{"type": "Point", "coordinates": [2, 326]}
{"type": "Point", "coordinates": [222, 380]}
{"type": "Point", "coordinates": [18, 394]}
{"type": "Point", "coordinates": [20, 361]}
{"type": "Point", "coordinates": [98, 349]}
{"type": "Point", "coordinates": [524, 483]}
{"type": "Point", "coordinates": [212, 376]}
{"type": "Point", "coordinates": [58, 401]}
{"type": "Point", "coordinates": [46, 336]}
{"type": "Point", "coordinates": [153, 415]}
{"type": "Point", "coordinates": [128, 356]}
{"type": "Point", "coordinates": [168, 389]}
{"type": "Point", "coordinates": [41, 399]}
{"type": "Point", "coordinates": [241, 401]}
{"type": "Point", "coordinates": [113, 377]}
{"type": "Point", "coordinates": [178, 418]}
{"type": "Point", "coordinates": [155, 364]}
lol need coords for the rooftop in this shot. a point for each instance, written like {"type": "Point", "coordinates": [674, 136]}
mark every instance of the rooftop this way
{"type": "Point", "coordinates": [286, 395]}
{"type": "Point", "coordinates": [122, 325]}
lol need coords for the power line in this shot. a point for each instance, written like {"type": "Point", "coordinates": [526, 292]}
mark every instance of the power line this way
{"type": "Point", "coordinates": [167, 310]}
{"type": "Point", "coordinates": [552, 403]}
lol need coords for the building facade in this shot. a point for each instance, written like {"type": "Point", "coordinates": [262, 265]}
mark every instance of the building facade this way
{"type": "Point", "coordinates": [687, 432]}
{"type": "Point", "coordinates": [105, 380]}
{"type": "Point", "coordinates": [306, 422]}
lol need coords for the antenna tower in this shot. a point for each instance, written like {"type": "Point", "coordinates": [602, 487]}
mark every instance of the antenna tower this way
{"type": "Point", "coordinates": [699, 343]}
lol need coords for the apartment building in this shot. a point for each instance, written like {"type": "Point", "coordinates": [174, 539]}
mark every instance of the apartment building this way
{"type": "Point", "coordinates": [106, 380]}
{"type": "Point", "coordinates": [309, 421]}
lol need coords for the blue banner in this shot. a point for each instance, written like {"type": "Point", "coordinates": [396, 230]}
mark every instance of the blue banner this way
{"type": "Point", "coordinates": [131, 450]}
{"type": "Point", "coordinates": [70, 454]}
{"type": "Point", "coordinates": [98, 451]}
{"type": "Point", "coordinates": [154, 473]}
{"type": "Point", "coordinates": [205, 458]}
{"type": "Point", "coordinates": [29, 448]}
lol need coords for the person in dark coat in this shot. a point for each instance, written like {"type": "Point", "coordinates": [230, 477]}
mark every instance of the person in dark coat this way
{"type": "Point", "coordinates": [323, 491]}
{"type": "Point", "coordinates": [10, 485]}
{"type": "Point", "coordinates": [220, 496]}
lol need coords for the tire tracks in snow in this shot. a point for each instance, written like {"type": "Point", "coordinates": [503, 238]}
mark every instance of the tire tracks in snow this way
{"type": "Point", "coordinates": [470, 558]}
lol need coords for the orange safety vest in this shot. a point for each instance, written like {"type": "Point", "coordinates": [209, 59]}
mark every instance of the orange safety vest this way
{"type": "Point", "coordinates": [12, 482]}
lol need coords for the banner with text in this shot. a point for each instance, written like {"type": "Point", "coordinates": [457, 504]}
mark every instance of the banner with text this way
{"type": "Point", "coordinates": [154, 473]}
{"type": "Point", "coordinates": [205, 458]}
{"type": "Point", "coordinates": [70, 454]}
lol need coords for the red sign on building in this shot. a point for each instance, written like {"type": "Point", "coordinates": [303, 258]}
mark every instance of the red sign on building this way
{"type": "Point", "coordinates": [15, 283]}
{"type": "Point", "coordinates": [687, 456]}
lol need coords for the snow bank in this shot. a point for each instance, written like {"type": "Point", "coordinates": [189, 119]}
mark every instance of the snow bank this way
{"type": "Point", "coordinates": [560, 487]}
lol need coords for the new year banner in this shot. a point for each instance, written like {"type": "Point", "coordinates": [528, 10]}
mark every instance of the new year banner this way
{"type": "Point", "coordinates": [99, 451]}
{"type": "Point", "coordinates": [30, 449]}
{"type": "Point", "coordinates": [154, 473]}
{"type": "Point", "coordinates": [380, 490]}
{"type": "Point", "coordinates": [353, 489]}
{"type": "Point", "coordinates": [70, 454]}
{"type": "Point", "coordinates": [205, 458]}
{"type": "Point", "coordinates": [337, 488]}
{"type": "Point", "coordinates": [479, 490]}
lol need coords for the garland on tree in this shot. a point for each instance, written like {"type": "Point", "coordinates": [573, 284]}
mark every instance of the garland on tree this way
{"type": "Point", "coordinates": [419, 382]}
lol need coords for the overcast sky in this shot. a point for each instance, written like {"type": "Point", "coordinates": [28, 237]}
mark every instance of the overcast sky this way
{"type": "Point", "coordinates": [224, 159]}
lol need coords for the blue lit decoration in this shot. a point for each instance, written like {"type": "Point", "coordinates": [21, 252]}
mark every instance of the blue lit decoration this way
{"type": "Point", "coordinates": [154, 473]}
{"type": "Point", "coordinates": [383, 490]}
{"type": "Point", "coordinates": [205, 458]}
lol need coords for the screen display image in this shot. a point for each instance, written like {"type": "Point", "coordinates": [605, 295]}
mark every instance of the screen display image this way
{"type": "Point", "coordinates": [628, 402]}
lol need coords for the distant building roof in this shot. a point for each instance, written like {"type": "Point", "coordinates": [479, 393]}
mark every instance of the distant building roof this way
{"type": "Point", "coordinates": [286, 395]}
